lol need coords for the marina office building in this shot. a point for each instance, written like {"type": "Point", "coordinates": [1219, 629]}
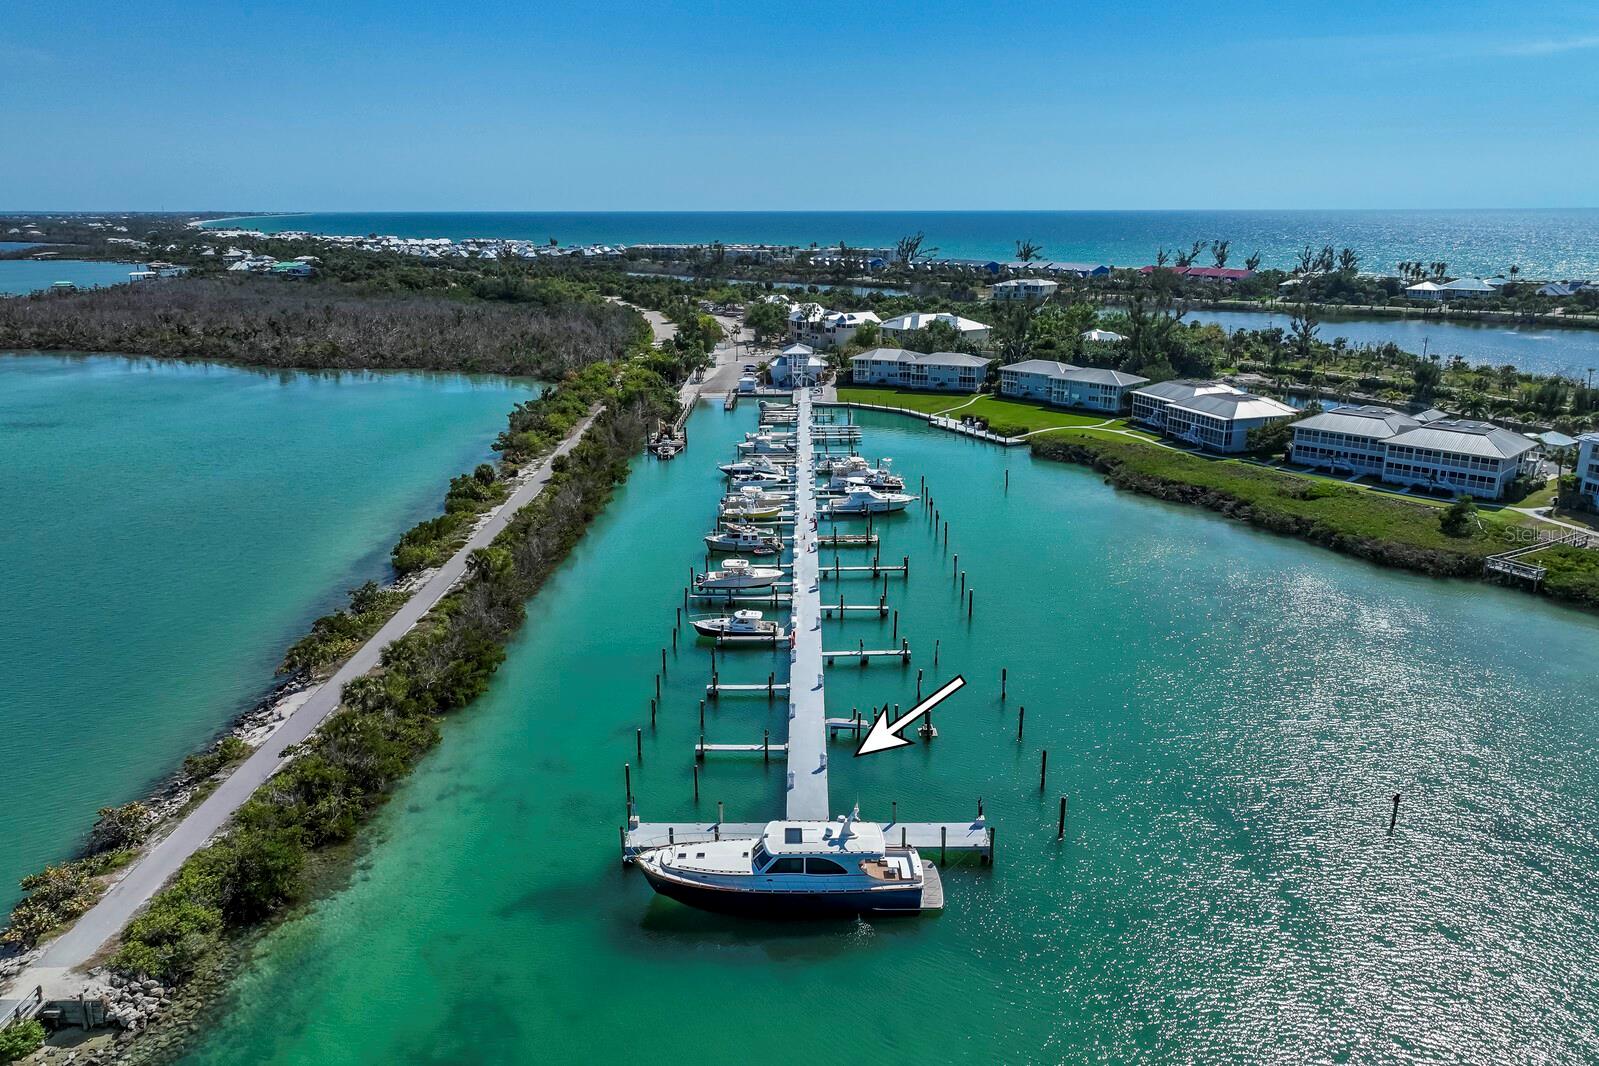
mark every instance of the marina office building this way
{"type": "Point", "coordinates": [1065, 385]}
{"type": "Point", "coordinates": [1459, 455]}
{"type": "Point", "coordinates": [945, 371]}
{"type": "Point", "coordinates": [1588, 468]}
{"type": "Point", "coordinates": [1212, 414]}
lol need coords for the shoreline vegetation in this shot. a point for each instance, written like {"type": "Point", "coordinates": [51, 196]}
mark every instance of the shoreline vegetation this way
{"type": "Point", "coordinates": [604, 360]}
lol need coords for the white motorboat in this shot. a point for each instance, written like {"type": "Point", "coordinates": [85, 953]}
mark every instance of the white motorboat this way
{"type": "Point", "coordinates": [761, 477]}
{"type": "Point", "coordinates": [757, 464]}
{"type": "Point", "coordinates": [880, 478]}
{"type": "Point", "coordinates": [764, 444]}
{"type": "Point", "coordinates": [749, 540]}
{"type": "Point", "coordinates": [841, 464]}
{"type": "Point", "coordinates": [755, 495]}
{"type": "Point", "coordinates": [793, 870]}
{"type": "Point", "coordinates": [862, 500]}
{"type": "Point", "coordinates": [737, 574]}
{"type": "Point", "coordinates": [775, 434]}
{"type": "Point", "coordinates": [740, 625]}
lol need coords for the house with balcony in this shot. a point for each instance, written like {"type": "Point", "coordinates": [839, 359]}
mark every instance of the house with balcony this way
{"type": "Point", "coordinates": [896, 329]}
{"type": "Point", "coordinates": [1459, 456]}
{"type": "Point", "coordinates": [1091, 388]}
{"type": "Point", "coordinates": [814, 325]}
{"type": "Point", "coordinates": [1348, 440]}
{"type": "Point", "coordinates": [940, 371]}
{"type": "Point", "coordinates": [1032, 290]}
{"type": "Point", "coordinates": [1032, 379]}
{"type": "Point", "coordinates": [1211, 414]}
{"type": "Point", "coordinates": [796, 362]}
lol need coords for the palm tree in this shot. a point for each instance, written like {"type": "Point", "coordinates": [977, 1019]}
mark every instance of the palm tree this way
{"type": "Point", "coordinates": [1218, 250]}
{"type": "Point", "coordinates": [1161, 257]}
{"type": "Point", "coordinates": [1348, 260]}
{"type": "Point", "coordinates": [1252, 264]}
{"type": "Point", "coordinates": [1027, 251]}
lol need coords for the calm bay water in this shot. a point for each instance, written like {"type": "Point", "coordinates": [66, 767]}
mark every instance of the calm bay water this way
{"type": "Point", "coordinates": [22, 276]}
{"type": "Point", "coordinates": [1228, 712]}
{"type": "Point", "coordinates": [1554, 243]}
{"type": "Point", "coordinates": [1568, 352]}
{"type": "Point", "coordinates": [169, 529]}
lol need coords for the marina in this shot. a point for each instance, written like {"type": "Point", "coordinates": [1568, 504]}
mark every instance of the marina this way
{"type": "Point", "coordinates": [727, 883]}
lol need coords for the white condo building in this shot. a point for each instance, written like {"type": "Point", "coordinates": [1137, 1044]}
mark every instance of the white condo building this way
{"type": "Point", "coordinates": [1065, 385]}
{"type": "Point", "coordinates": [944, 371]}
{"type": "Point", "coordinates": [1211, 414]}
{"type": "Point", "coordinates": [1025, 289]}
{"type": "Point", "coordinates": [1463, 456]}
{"type": "Point", "coordinates": [1351, 440]}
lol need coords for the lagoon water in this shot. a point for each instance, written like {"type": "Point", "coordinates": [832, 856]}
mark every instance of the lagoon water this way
{"type": "Point", "coordinates": [1572, 353]}
{"type": "Point", "coordinates": [1546, 243]}
{"type": "Point", "coordinates": [169, 528]}
{"type": "Point", "coordinates": [1228, 712]}
{"type": "Point", "coordinates": [21, 276]}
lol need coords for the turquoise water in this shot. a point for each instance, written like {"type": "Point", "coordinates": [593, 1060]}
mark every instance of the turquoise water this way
{"type": "Point", "coordinates": [169, 529]}
{"type": "Point", "coordinates": [1568, 352]}
{"type": "Point", "coordinates": [22, 276]}
{"type": "Point", "coordinates": [1552, 243]}
{"type": "Point", "coordinates": [1227, 711]}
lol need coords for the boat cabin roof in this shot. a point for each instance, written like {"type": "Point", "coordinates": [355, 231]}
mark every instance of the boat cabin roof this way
{"type": "Point", "coordinates": [822, 838]}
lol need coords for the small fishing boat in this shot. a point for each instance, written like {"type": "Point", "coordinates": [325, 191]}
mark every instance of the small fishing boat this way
{"type": "Point", "coordinates": [862, 500]}
{"type": "Point", "coordinates": [740, 625]}
{"type": "Point", "coordinates": [758, 464]}
{"type": "Point", "coordinates": [744, 511]}
{"type": "Point", "coordinates": [748, 540]}
{"type": "Point", "coordinates": [793, 870]}
{"type": "Point", "coordinates": [754, 494]}
{"type": "Point", "coordinates": [737, 574]}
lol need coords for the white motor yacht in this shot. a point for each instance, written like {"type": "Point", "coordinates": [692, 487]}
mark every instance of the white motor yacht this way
{"type": "Point", "coordinates": [736, 575]}
{"type": "Point", "coordinates": [756, 464]}
{"type": "Point", "coordinates": [862, 500]}
{"type": "Point", "coordinates": [793, 870]}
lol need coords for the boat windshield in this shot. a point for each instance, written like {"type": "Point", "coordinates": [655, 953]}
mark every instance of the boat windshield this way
{"type": "Point", "coordinates": [758, 857]}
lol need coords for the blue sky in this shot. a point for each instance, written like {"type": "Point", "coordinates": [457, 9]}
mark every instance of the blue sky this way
{"type": "Point", "coordinates": [750, 106]}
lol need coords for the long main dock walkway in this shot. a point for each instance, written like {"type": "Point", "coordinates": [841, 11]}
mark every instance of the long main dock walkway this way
{"type": "Point", "coordinates": [54, 969]}
{"type": "Point", "coordinates": [807, 704]}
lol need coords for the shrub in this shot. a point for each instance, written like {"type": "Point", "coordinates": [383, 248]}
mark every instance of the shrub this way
{"type": "Point", "coordinates": [119, 827]}
{"type": "Point", "coordinates": [20, 1039]}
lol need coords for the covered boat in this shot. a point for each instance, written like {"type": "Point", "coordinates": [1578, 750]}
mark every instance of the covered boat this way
{"type": "Point", "coordinates": [862, 500]}
{"type": "Point", "coordinates": [765, 444]}
{"type": "Point", "coordinates": [737, 574]}
{"type": "Point", "coordinates": [740, 625]}
{"type": "Point", "coordinates": [880, 478]}
{"type": "Point", "coordinates": [749, 540]}
{"type": "Point", "coordinates": [793, 870]}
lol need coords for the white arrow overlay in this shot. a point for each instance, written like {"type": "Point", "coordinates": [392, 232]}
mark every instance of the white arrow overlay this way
{"type": "Point", "coordinates": [885, 735]}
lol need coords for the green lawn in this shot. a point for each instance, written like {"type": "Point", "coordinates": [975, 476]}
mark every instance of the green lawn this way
{"type": "Point", "coordinates": [1007, 417]}
{"type": "Point", "coordinates": [928, 403]}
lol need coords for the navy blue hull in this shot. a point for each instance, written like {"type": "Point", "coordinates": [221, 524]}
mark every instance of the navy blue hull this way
{"type": "Point", "coordinates": [779, 905]}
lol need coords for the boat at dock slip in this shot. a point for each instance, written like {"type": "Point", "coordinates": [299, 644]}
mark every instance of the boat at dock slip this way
{"type": "Point", "coordinates": [792, 870]}
{"type": "Point", "coordinates": [862, 500]}
{"type": "Point", "coordinates": [740, 625]}
{"type": "Point", "coordinates": [755, 496]}
{"type": "Point", "coordinates": [747, 540]}
{"type": "Point", "coordinates": [765, 444]}
{"type": "Point", "coordinates": [756, 464]}
{"type": "Point", "coordinates": [880, 478]}
{"type": "Point", "coordinates": [737, 574]}
{"type": "Point", "coordinates": [759, 477]}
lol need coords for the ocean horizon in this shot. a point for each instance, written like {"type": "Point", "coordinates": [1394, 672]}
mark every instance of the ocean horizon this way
{"type": "Point", "coordinates": [1542, 242]}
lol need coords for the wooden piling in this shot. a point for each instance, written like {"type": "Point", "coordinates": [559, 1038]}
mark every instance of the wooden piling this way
{"type": "Point", "coordinates": [627, 781]}
{"type": "Point", "coordinates": [971, 596]}
{"type": "Point", "coordinates": [1393, 816]}
{"type": "Point", "coordinates": [663, 662]}
{"type": "Point", "coordinates": [1043, 768]}
{"type": "Point", "coordinates": [1021, 718]}
{"type": "Point", "coordinates": [1007, 481]}
{"type": "Point", "coordinates": [766, 745]}
{"type": "Point", "coordinates": [894, 811]}
{"type": "Point", "coordinates": [935, 653]}
{"type": "Point", "coordinates": [943, 844]}
{"type": "Point", "coordinates": [1060, 828]}
{"type": "Point", "coordinates": [1002, 674]}
{"type": "Point", "coordinates": [697, 774]}
{"type": "Point", "coordinates": [963, 583]}
{"type": "Point", "coordinates": [638, 744]}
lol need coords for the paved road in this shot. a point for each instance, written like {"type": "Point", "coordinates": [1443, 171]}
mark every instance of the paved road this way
{"type": "Point", "coordinates": [53, 969]}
